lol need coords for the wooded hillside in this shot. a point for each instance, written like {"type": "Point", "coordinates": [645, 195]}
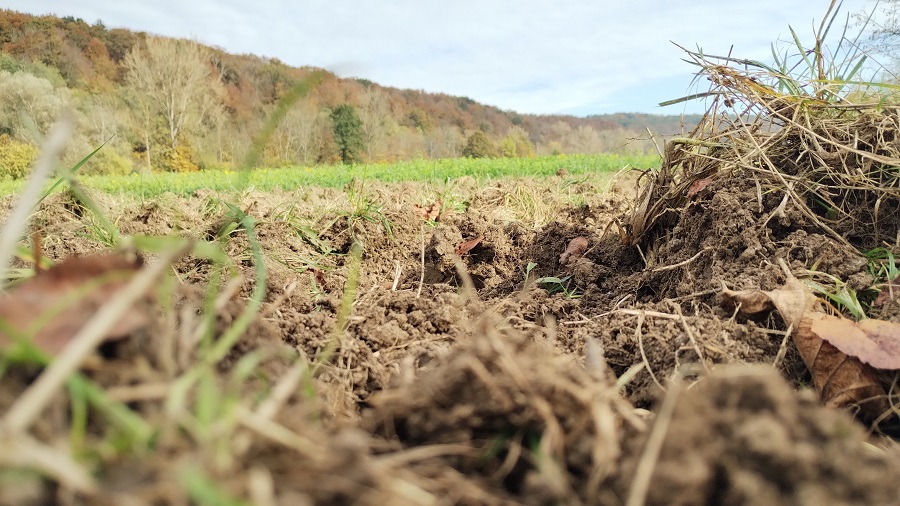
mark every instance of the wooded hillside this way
{"type": "Point", "coordinates": [169, 104]}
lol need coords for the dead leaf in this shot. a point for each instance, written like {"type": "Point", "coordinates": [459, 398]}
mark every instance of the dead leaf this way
{"type": "Point", "coordinates": [467, 246]}
{"type": "Point", "coordinates": [875, 342]}
{"type": "Point", "coordinates": [697, 186]}
{"type": "Point", "coordinates": [429, 213]}
{"type": "Point", "coordinates": [793, 300]}
{"type": "Point", "coordinates": [841, 379]}
{"type": "Point", "coordinates": [54, 304]}
{"type": "Point", "coordinates": [751, 302]}
{"type": "Point", "coordinates": [574, 250]}
{"type": "Point", "coordinates": [319, 279]}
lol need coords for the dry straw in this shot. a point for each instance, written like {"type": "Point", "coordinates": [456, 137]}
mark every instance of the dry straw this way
{"type": "Point", "coordinates": [808, 128]}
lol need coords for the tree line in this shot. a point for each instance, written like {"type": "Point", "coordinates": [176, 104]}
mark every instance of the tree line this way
{"type": "Point", "coordinates": [164, 104]}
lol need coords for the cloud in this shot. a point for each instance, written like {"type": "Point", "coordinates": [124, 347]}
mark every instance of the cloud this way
{"type": "Point", "coordinates": [529, 56]}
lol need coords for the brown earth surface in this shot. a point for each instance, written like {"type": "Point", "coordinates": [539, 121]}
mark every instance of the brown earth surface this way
{"type": "Point", "coordinates": [483, 382]}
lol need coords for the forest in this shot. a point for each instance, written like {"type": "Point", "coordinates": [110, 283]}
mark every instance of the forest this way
{"type": "Point", "coordinates": [163, 104]}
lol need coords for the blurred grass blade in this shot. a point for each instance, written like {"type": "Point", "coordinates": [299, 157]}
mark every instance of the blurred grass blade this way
{"type": "Point", "coordinates": [68, 174]}
{"type": "Point", "coordinates": [17, 222]}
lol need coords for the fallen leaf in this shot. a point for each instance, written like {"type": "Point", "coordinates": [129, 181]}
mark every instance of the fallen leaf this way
{"type": "Point", "coordinates": [697, 186]}
{"type": "Point", "coordinates": [841, 379]}
{"type": "Point", "coordinates": [575, 249]}
{"type": "Point", "coordinates": [750, 302]}
{"type": "Point", "coordinates": [319, 278]}
{"type": "Point", "coordinates": [467, 246]}
{"type": "Point", "coordinates": [793, 300]}
{"type": "Point", "coordinates": [429, 213]}
{"type": "Point", "coordinates": [54, 304]}
{"type": "Point", "coordinates": [875, 342]}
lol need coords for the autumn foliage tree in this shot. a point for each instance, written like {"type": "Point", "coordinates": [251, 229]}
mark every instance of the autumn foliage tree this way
{"type": "Point", "coordinates": [478, 146]}
{"type": "Point", "coordinates": [180, 105]}
{"type": "Point", "coordinates": [175, 81]}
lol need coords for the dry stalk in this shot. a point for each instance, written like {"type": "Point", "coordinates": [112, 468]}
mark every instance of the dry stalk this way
{"type": "Point", "coordinates": [15, 225]}
{"type": "Point", "coordinates": [638, 335]}
{"type": "Point", "coordinates": [643, 475]}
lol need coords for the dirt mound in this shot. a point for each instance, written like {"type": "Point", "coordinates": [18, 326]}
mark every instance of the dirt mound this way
{"type": "Point", "coordinates": [744, 436]}
{"type": "Point", "coordinates": [524, 421]}
{"type": "Point", "coordinates": [374, 373]}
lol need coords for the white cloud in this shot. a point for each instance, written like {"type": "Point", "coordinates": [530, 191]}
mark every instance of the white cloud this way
{"type": "Point", "coordinates": [529, 56]}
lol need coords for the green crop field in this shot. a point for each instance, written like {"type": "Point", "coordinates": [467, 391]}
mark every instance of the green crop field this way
{"type": "Point", "coordinates": [339, 175]}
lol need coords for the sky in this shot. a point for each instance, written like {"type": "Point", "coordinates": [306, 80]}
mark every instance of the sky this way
{"type": "Point", "coordinates": [578, 57]}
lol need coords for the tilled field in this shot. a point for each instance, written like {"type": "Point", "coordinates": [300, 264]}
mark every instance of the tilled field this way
{"type": "Point", "coordinates": [501, 344]}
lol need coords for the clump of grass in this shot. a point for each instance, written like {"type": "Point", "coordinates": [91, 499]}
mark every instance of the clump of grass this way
{"type": "Point", "coordinates": [185, 411]}
{"type": "Point", "coordinates": [806, 126]}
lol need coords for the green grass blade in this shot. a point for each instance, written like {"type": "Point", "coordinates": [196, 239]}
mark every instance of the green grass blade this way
{"type": "Point", "coordinates": [810, 64]}
{"type": "Point", "coordinates": [68, 174]}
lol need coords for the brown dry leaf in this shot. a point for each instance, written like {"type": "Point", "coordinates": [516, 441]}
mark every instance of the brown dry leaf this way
{"type": "Point", "coordinates": [751, 302]}
{"type": "Point", "coordinates": [890, 291]}
{"type": "Point", "coordinates": [875, 342]}
{"type": "Point", "coordinates": [429, 213]}
{"type": "Point", "coordinates": [842, 380]}
{"type": "Point", "coordinates": [467, 246]}
{"type": "Point", "coordinates": [73, 291]}
{"type": "Point", "coordinates": [575, 249]}
{"type": "Point", "coordinates": [319, 278]}
{"type": "Point", "coordinates": [697, 186]}
{"type": "Point", "coordinates": [792, 300]}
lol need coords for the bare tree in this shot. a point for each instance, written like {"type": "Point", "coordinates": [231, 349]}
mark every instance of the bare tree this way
{"type": "Point", "coordinates": [444, 142]}
{"type": "Point", "coordinates": [295, 140]}
{"type": "Point", "coordinates": [177, 78]}
{"type": "Point", "coordinates": [375, 114]}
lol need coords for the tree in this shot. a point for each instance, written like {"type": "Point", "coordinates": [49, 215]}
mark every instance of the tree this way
{"type": "Point", "coordinates": [443, 142]}
{"type": "Point", "coordinates": [176, 78]}
{"type": "Point", "coordinates": [27, 100]}
{"type": "Point", "coordinates": [375, 114]}
{"type": "Point", "coordinates": [516, 144]}
{"type": "Point", "coordinates": [296, 140]}
{"type": "Point", "coordinates": [478, 146]}
{"type": "Point", "coordinates": [348, 133]}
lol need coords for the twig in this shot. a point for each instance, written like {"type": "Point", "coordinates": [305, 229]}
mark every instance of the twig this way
{"type": "Point", "coordinates": [642, 312]}
{"type": "Point", "coordinates": [680, 264]}
{"type": "Point", "coordinates": [640, 485]}
{"type": "Point", "coordinates": [656, 144]}
{"type": "Point", "coordinates": [640, 340]}
{"type": "Point", "coordinates": [274, 305]}
{"type": "Point", "coordinates": [278, 433]}
{"type": "Point", "coordinates": [422, 262]}
{"type": "Point", "coordinates": [398, 269]}
{"type": "Point", "coordinates": [782, 350]}
{"type": "Point", "coordinates": [276, 400]}
{"type": "Point", "coordinates": [21, 450]}
{"type": "Point", "coordinates": [690, 333]}
{"type": "Point", "coordinates": [428, 452]}
{"type": "Point", "coordinates": [233, 285]}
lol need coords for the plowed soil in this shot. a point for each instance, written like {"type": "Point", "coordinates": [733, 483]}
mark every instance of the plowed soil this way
{"type": "Point", "coordinates": [475, 379]}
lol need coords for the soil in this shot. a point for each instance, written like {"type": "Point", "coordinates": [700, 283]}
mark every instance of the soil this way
{"type": "Point", "coordinates": [483, 381]}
